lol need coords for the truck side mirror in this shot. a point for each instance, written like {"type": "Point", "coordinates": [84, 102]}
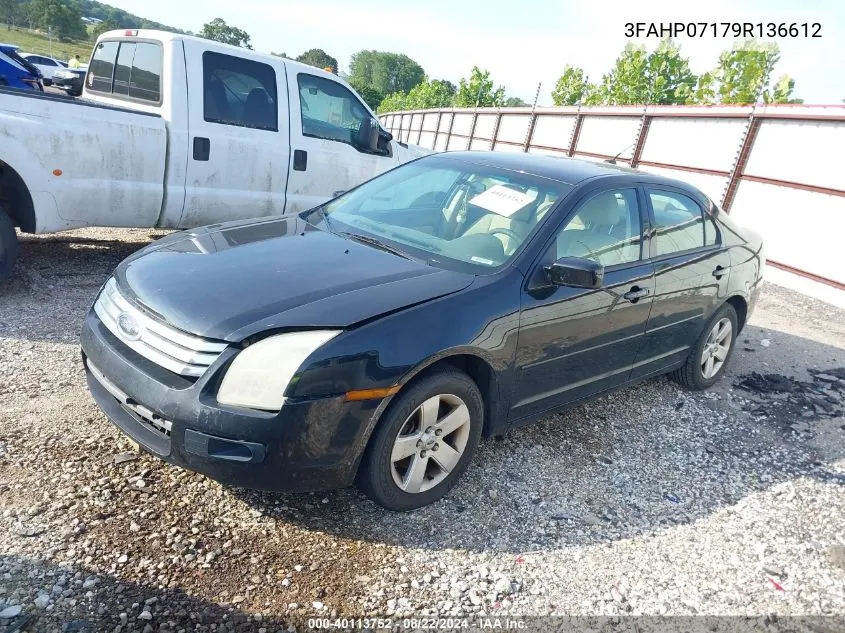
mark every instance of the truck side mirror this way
{"type": "Point", "coordinates": [368, 135]}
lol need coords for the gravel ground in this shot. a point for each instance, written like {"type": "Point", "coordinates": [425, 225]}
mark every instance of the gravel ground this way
{"type": "Point", "coordinates": [651, 500]}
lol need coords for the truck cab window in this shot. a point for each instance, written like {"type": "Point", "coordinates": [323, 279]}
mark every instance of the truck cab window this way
{"type": "Point", "coordinates": [101, 70]}
{"type": "Point", "coordinates": [127, 68]}
{"type": "Point", "coordinates": [330, 111]}
{"type": "Point", "coordinates": [239, 92]}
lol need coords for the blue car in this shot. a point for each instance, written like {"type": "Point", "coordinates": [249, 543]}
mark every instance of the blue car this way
{"type": "Point", "coordinates": [16, 72]}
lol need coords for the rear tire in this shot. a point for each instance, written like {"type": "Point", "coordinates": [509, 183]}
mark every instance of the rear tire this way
{"type": "Point", "coordinates": [712, 351]}
{"type": "Point", "coordinates": [424, 441]}
{"type": "Point", "coordinates": [8, 245]}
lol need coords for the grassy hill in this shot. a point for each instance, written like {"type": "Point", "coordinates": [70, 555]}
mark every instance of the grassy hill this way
{"type": "Point", "coordinates": [34, 42]}
{"type": "Point", "coordinates": [37, 41]}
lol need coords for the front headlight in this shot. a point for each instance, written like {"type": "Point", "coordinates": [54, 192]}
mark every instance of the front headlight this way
{"type": "Point", "coordinates": [259, 375]}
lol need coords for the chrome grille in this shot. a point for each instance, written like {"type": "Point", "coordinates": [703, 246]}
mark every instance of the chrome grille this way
{"type": "Point", "coordinates": [168, 347]}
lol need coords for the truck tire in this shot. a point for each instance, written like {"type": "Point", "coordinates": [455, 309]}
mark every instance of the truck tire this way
{"type": "Point", "coordinates": [8, 245]}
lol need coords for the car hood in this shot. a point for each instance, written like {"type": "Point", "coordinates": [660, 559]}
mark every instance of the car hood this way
{"type": "Point", "coordinates": [234, 280]}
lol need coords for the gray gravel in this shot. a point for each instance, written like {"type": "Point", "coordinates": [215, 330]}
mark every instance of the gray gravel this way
{"type": "Point", "coordinates": [649, 501]}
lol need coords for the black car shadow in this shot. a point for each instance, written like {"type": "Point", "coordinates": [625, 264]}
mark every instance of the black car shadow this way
{"type": "Point", "coordinates": [641, 459]}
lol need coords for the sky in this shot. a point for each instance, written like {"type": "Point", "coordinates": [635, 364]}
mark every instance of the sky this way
{"type": "Point", "coordinates": [522, 43]}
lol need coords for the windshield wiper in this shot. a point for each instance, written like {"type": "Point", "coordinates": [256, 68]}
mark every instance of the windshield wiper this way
{"type": "Point", "coordinates": [372, 241]}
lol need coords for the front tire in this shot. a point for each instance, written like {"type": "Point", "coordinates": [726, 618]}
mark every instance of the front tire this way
{"type": "Point", "coordinates": [8, 245]}
{"type": "Point", "coordinates": [711, 353]}
{"type": "Point", "coordinates": [424, 442]}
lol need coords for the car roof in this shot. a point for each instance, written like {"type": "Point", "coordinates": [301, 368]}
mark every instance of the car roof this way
{"type": "Point", "coordinates": [8, 47]}
{"type": "Point", "coordinates": [563, 169]}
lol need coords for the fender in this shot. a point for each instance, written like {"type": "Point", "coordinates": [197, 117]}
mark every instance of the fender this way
{"type": "Point", "coordinates": [15, 157]}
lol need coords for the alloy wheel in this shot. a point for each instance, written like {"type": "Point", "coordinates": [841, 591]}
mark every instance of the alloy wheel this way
{"type": "Point", "coordinates": [716, 348]}
{"type": "Point", "coordinates": [430, 443]}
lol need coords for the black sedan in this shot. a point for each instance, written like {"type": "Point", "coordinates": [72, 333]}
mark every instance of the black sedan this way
{"type": "Point", "coordinates": [376, 338]}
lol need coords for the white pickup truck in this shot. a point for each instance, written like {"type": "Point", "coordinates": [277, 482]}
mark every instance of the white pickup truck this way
{"type": "Point", "coordinates": [176, 132]}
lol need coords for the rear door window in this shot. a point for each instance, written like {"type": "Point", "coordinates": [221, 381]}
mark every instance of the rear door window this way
{"type": "Point", "coordinates": [679, 223]}
{"type": "Point", "coordinates": [239, 92]}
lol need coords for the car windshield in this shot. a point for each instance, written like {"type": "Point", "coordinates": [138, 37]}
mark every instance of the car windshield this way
{"type": "Point", "coordinates": [451, 213]}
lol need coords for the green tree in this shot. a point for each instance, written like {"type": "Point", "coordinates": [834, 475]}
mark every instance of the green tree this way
{"type": "Point", "coordinates": [638, 77]}
{"type": "Point", "coordinates": [704, 91]}
{"type": "Point", "coordinates": [627, 82]}
{"type": "Point", "coordinates": [571, 87]}
{"type": "Point", "coordinates": [61, 18]}
{"type": "Point", "coordinates": [319, 58]}
{"type": "Point", "coordinates": [515, 102]}
{"type": "Point", "coordinates": [386, 72]}
{"type": "Point", "coordinates": [743, 72]}
{"type": "Point", "coordinates": [478, 90]}
{"type": "Point", "coordinates": [395, 102]}
{"type": "Point", "coordinates": [103, 27]}
{"type": "Point", "coordinates": [782, 91]}
{"type": "Point", "coordinates": [435, 93]}
{"type": "Point", "coordinates": [10, 12]}
{"type": "Point", "coordinates": [219, 31]}
{"type": "Point", "coordinates": [370, 95]}
{"type": "Point", "coordinates": [672, 80]}
{"type": "Point", "coordinates": [283, 55]}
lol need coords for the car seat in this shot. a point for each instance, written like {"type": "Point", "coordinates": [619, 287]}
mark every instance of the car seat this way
{"type": "Point", "coordinates": [605, 236]}
{"type": "Point", "coordinates": [258, 111]}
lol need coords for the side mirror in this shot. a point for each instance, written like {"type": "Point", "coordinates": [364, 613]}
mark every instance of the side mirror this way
{"type": "Point", "coordinates": [368, 135]}
{"type": "Point", "coordinates": [577, 272]}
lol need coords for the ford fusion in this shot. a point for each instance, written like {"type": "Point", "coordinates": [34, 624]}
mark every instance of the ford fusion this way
{"type": "Point", "coordinates": [377, 338]}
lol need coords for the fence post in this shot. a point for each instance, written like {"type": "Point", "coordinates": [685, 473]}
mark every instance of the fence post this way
{"type": "Point", "coordinates": [529, 133]}
{"type": "Point", "coordinates": [496, 131]}
{"type": "Point", "coordinates": [437, 128]}
{"type": "Point", "coordinates": [449, 131]}
{"type": "Point", "coordinates": [576, 132]}
{"type": "Point", "coordinates": [422, 124]}
{"type": "Point", "coordinates": [740, 162]}
{"type": "Point", "coordinates": [472, 129]}
{"type": "Point", "coordinates": [642, 133]}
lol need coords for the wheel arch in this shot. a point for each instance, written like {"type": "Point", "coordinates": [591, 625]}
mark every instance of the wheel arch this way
{"type": "Point", "coordinates": [740, 305]}
{"type": "Point", "coordinates": [475, 365]}
{"type": "Point", "coordinates": [16, 199]}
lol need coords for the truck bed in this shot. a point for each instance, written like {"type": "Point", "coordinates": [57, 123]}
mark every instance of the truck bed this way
{"type": "Point", "coordinates": [84, 163]}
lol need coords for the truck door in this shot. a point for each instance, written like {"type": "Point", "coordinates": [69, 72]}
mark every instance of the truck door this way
{"type": "Point", "coordinates": [239, 142]}
{"type": "Point", "coordinates": [325, 117]}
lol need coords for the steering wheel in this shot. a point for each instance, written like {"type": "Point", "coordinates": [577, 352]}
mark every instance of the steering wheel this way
{"type": "Point", "coordinates": [511, 234]}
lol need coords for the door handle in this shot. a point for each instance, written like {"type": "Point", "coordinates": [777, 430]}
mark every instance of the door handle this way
{"type": "Point", "coordinates": [720, 271]}
{"type": "Point", "coordinates": [202, 148]}
{"type": "Point", "coordinates": [636, 293]}
{"type": "Point", "coordinates": [300, 160]}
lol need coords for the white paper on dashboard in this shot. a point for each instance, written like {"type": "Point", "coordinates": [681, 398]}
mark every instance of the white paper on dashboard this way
{"type": "Point", "coordinates": [503, 200]}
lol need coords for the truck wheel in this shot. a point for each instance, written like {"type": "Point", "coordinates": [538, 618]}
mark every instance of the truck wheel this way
{"type": "Point", "coordinates": [8, 245]}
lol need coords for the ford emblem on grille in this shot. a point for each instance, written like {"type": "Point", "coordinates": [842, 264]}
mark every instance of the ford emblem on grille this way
{"type": "Point", "coordinates": [128, 326]}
